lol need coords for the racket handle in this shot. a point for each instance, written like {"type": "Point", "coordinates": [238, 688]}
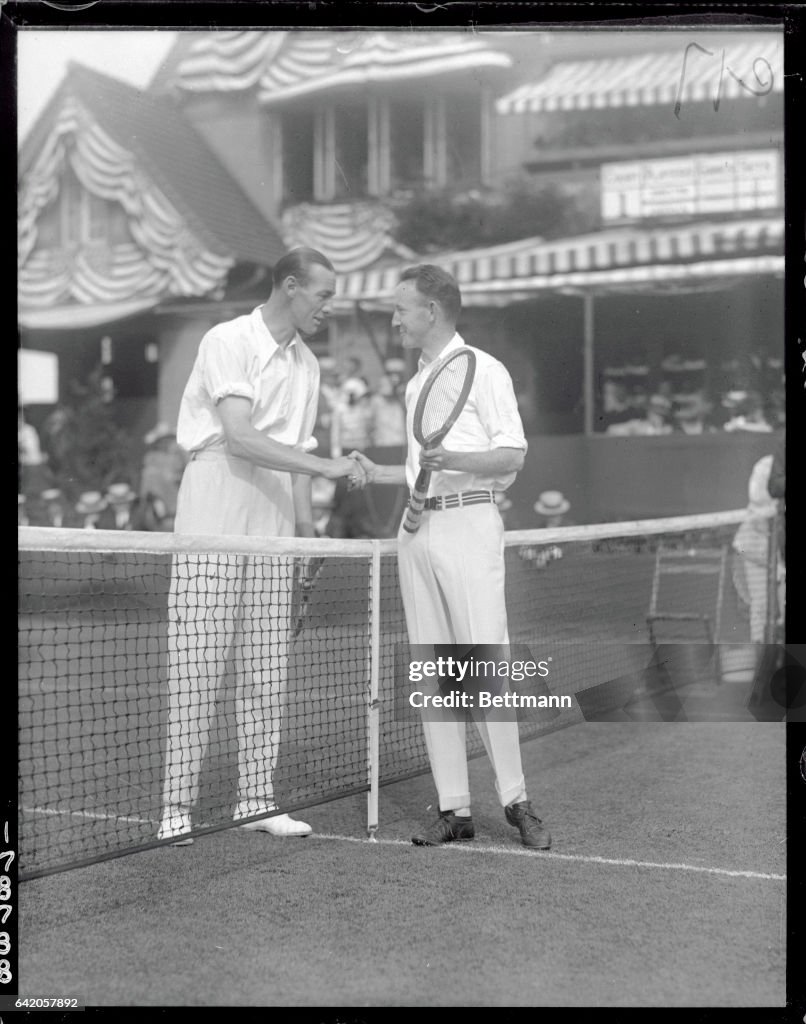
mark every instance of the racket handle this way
{"type": "Point", "coordinates": [414, 511]}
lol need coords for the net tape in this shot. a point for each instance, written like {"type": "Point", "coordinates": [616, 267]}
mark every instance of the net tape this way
{"type": "Point", "coordinates": [127, 640]}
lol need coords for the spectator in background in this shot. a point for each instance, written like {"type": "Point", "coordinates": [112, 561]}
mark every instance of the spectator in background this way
{"type": "Point", "coordinates": [90, 506]}
{"type": "Point", "coordinates": [34, 473]}
{"type": "Point", "coordinates": [352, 368]}
{"type": "Point", "coordinates": [22, 514]}
{"type": "Point", "coordinates": [53, 500]}
{"type": "Point", "coordinates": [658, 415]}
{"type": "Point", "coordinates": [748, 414]}
{"type": "Point", "coordinates": [163, 464]}
{"type": "Point", "coordinates": [615, 407]}
{"type": "Point", "coordinates": [691, 413]}
{"type": "Point", "coordinates": [56, 436]}
{"type": "Point", "coordinates": [776, 487]}
{"type": "Point", "coordinates": [352, 418]}
{"type": "Point", "coordinates": [322, 499]}
{"type": "Point", "coordinates": [552, 508]}
{"type": "Point", "coordinates": [120, 499]}
{"type": "Point", "coordinates": [751, 544]}
{"type": "Point", "coordinates": [329, 398]}
{"type": "Point", "coordinates": [388, 426]}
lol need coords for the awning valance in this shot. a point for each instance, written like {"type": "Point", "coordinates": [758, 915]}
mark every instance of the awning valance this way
{"type": "Point", "coordinates": [750, 68]}
{"type": "Point", "coordinates": [77, 317]}
{"type": "Point", "coordinates": [621, 259]}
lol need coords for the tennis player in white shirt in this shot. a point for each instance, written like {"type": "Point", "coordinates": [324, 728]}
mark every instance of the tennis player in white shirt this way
{"type": "Point", "coordinates": [246, 419]}
{"type": "Point", "coordinates": [452, 568]}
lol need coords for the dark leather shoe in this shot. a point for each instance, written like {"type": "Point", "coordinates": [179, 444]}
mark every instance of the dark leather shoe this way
{"type": "Point", "coordinates": [448, 828]}
{"type": "Point", "coordinates": [533, 832]}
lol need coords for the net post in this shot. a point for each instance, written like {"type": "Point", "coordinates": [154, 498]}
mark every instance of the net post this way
{"type": "Point", "coordinates": [770, 626]}
{"type": "Point", "coordinates": [373, 707]}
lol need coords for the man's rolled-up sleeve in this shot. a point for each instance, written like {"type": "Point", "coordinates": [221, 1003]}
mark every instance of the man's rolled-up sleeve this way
{"type": "Point", "coordinates": [498, 408]}
{"type": "Point", "coordinates": [224, 368]}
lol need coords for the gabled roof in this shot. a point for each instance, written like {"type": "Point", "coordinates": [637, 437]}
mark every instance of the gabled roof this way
{"type": "Point", "coordinates": [286, 65]}
{"type": "Point", "coordinates": [173, 156]}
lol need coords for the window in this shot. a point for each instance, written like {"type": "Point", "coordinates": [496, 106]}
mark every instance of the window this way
{"type": "Point", "coordinates": [71, 191]}
{"type": "Point", "coordinates": [77, 216]}
{"type": "Point", "coordinates": [351, 151]}
{"type": "Point", "coordinates": [298, 138]}
{"type": "Point", "coordinates": [406, 143]}
{"type": "Point", "coordinates": [463, 140]}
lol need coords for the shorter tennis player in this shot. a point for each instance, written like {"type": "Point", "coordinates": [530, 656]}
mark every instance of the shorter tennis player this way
{"type": "Point", "coordinates": [452, 568]}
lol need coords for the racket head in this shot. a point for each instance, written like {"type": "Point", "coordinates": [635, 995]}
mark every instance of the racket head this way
{"type": "Point", "coordinates": [443, 397]}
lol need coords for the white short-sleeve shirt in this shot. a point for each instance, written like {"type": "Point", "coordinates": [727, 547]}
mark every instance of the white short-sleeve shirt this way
{"type": "Point", "coordinates": [240, 357]}
{"type": "Point", "coordinates": [489, 420]}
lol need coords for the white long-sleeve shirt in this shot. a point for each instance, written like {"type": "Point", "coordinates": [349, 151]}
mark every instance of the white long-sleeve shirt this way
{"type": "Point", "coordinates": [489, 420]}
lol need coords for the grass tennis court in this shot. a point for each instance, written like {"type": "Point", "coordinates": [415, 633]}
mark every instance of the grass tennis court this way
{"type": "Point", "coordinates": [245, 919]}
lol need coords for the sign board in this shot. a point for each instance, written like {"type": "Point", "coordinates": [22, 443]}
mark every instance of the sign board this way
{"type": "Point", "coordinates": [692, 185]}
{"type": "Point", "coordinates": [38, 377]}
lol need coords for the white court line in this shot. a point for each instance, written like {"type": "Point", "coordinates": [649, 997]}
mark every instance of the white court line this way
{"type": "Point", "coordinates": [578, 857]}
{"type": "Point", "coordinates": [467, 848]}
{"type": "Point", "coordinates": [88, 814]}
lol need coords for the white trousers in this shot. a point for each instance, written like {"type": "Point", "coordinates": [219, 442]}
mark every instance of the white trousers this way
{"type": "Point", "coordinates": [220, 605]}
{"type": "Point", "coordinates": [452, 583]}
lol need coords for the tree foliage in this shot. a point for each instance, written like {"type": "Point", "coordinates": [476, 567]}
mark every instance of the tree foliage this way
{"type": "Point", "coordinates": [434, 220]}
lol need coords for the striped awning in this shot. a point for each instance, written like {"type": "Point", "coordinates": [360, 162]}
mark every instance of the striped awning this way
{"type": "Point", "coordinates": [623, 259]}
{"type": "Point", "coordinates": [750, 68]}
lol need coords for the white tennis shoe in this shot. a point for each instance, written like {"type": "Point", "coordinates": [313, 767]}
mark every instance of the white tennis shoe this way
{"type": "Point", "coordinates": [174, 828]}
{"type": "Point", "coordinates": [279, 825]}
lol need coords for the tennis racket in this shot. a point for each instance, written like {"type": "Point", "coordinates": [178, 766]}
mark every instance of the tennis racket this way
{"type": "Point", "coordinates": [441, 400]}
{"type": "Point", "coordinates": [306, 572]}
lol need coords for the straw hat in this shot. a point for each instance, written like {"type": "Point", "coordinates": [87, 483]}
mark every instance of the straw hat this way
{"type": "Point", "coordinates": [157, 433]}
{"type": "Point", "coordinates": [51, 494]}
{"type": "Point", "coordinates": [395, 366]}
{"type": "Point", "coordinates": [355, 387]}
{"type": "Point", "coordinates": [90, 502]}
{"type": "Point", "coordinates": [502, 501]}
{"type": "Point", "coordinates": [660, 402]}
{"type": "Point", "coordinates": [119, 494]}
{"type": "Point", "coordinates": [551, 503]}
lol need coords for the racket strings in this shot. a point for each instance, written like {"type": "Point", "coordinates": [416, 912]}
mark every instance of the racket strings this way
{"type": "Point", "coordinates": [443, 396]}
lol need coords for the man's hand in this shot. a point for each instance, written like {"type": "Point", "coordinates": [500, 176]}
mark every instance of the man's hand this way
{"type": "Point", "coordinates": [344, 466]}
{"type": "Point", "coordinates": [368, 469]}
{"type": "Point", "coordinates": [435, 459]}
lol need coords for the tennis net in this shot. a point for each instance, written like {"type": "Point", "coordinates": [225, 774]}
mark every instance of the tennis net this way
{"type": "Point", "coordinates": [161, 669]}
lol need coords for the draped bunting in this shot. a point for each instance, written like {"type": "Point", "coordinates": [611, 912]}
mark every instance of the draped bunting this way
{"type": "Point", "coordinates": [354, 235]}
{"type": "Point", "coordinates": [287, 64]}
{"type": "Point", "coordinates": [228, 61]}
{"type": "Point", "coordinates": [165, 258]}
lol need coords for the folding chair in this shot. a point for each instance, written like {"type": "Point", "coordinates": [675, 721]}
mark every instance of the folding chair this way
{"type": "Point", "coordinates": [666, 605]}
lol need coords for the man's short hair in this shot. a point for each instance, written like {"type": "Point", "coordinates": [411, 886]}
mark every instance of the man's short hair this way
{"type": "Point", "coordinates": [437, 284]}
{"type": "Point", "coordinates": [297, 263]}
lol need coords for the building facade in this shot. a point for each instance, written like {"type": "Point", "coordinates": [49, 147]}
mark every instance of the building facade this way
{"type": "Point", "coordinates": [611, 204]}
